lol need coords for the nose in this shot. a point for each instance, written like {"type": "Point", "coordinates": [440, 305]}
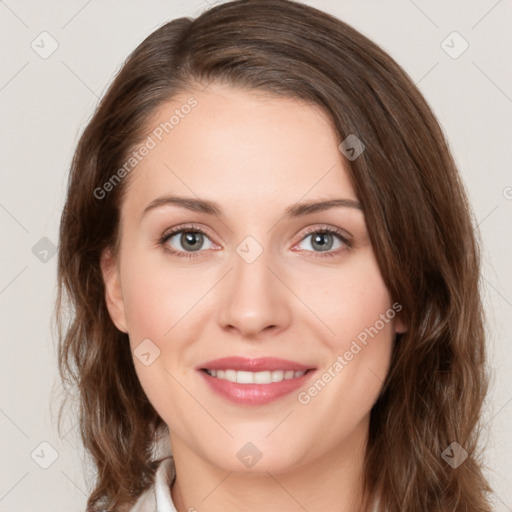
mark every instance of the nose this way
{"type": "Point", "coordinates": [253, 299]}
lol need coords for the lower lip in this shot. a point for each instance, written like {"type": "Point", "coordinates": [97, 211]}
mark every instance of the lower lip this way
{"type": "Point", "coordinates": [255, 394]}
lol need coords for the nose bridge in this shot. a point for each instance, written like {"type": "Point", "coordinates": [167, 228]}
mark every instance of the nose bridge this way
{"type": "Point", "coordinates": [251, 266]}
{"type": "Point", "coordinates": [253, 298]}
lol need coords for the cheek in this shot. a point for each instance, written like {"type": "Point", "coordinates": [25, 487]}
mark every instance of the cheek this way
{"type": "Point", "coordinates": [157, 298]}
{"type": "Point", "coordinates": [357, 308]}
{"type": "Point", "coordinates": [365, 330]}
{"type": "Point", "coordinates": [159, 303]}
{"type": "Point", "coordinates": [163, 305]}
{"type": "Point", "coordinates": [348, 300]}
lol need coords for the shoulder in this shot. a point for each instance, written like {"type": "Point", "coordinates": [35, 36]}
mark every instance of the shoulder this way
{"type": "Point", "coordinates": [158, 497]}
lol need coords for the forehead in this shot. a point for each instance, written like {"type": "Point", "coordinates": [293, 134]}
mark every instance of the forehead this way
{"type": "Point", "coordinates": [246, 148]}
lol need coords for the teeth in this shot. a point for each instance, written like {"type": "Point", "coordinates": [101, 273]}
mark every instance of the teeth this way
{"type": "Point", "coordinates": [262, 377]}
{"type": "Point", "coordinates": [277, 375]}
{"type": "Point", "coordinates": [244, 377]}
{"type": "Point", "coordinates": [230, 375]}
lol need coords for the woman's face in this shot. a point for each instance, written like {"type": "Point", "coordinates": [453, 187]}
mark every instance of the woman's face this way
{"type": "Point", "coordinates": [256, 293]}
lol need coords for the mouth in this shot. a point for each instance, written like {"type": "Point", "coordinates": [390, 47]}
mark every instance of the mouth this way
{"type": "Point", "coordinates": [254, 381]}
{"type": "Point", "coordinates": [264, 377]}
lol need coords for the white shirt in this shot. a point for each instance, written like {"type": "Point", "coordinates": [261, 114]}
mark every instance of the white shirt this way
{"type": "Point", "coordinates": [158, 497]}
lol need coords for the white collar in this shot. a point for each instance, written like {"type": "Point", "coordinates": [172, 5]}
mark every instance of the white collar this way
{"type": "Point", "coordinates": [158, 497]}
{"type": "Point", "coordinates": [163, 479]}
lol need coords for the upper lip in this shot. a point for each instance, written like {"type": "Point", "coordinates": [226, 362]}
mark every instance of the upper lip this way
{"type": "Point", "coordinates": [259, 364]}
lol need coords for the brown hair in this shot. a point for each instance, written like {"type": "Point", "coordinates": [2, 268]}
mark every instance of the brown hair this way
{"type": "Point", "coordinates": [417, 216]}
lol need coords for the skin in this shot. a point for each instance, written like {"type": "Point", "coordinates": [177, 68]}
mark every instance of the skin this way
{"type": "Point", "coordinates": [255, 155]}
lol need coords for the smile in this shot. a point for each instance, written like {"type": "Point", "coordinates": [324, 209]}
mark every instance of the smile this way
{"type": "Point", "coordinates": [254, 381]}
{"type": "Point", "coordinates": [244, 377]}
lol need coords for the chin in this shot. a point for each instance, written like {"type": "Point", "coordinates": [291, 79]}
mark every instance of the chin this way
{"type": "Point", "coordinates": [256, 457]}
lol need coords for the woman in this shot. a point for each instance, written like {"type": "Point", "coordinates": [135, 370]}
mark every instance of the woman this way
{"type": "Point", "coordinates": [274, 275]}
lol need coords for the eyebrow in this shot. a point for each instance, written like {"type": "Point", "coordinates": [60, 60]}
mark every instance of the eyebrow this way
{"type": "Point", "coordinates": [213, 208]}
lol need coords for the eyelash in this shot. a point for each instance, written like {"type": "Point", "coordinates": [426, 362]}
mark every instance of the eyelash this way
{"type": "Point", "coordinates": [195, 229]}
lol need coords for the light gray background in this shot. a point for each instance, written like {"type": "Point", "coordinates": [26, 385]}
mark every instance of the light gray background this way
{"type": "Point", "coordinates": [45, 103]}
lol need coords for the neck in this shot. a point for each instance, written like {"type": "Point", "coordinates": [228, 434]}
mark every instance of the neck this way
{"type": "Point", "coordinates": [333, 482]}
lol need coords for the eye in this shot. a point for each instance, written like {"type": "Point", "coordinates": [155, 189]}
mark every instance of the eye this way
{"type": "Point", "coordinates": [322, 240]}
{"type": "Point", "coordinates": [185, 241]}
{"type": "Point", "coordinates": [188, 241]}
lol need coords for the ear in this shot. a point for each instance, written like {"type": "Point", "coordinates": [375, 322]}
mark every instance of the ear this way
{"type": "Point", "coordinates": [400, 326]}
{"type": "Point", "coordinates": [113, 292]}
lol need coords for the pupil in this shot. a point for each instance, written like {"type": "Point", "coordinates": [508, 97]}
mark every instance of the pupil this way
{"type": "Point", "coordinates": [319, 240]}
{"type": "Point", "coordinates": [194, 239]}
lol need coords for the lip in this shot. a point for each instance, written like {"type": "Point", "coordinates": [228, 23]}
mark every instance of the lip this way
{"type": "Point", "coordinates": [259, 364]}
{"type": "Point", "coordinates": [254, 394]}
